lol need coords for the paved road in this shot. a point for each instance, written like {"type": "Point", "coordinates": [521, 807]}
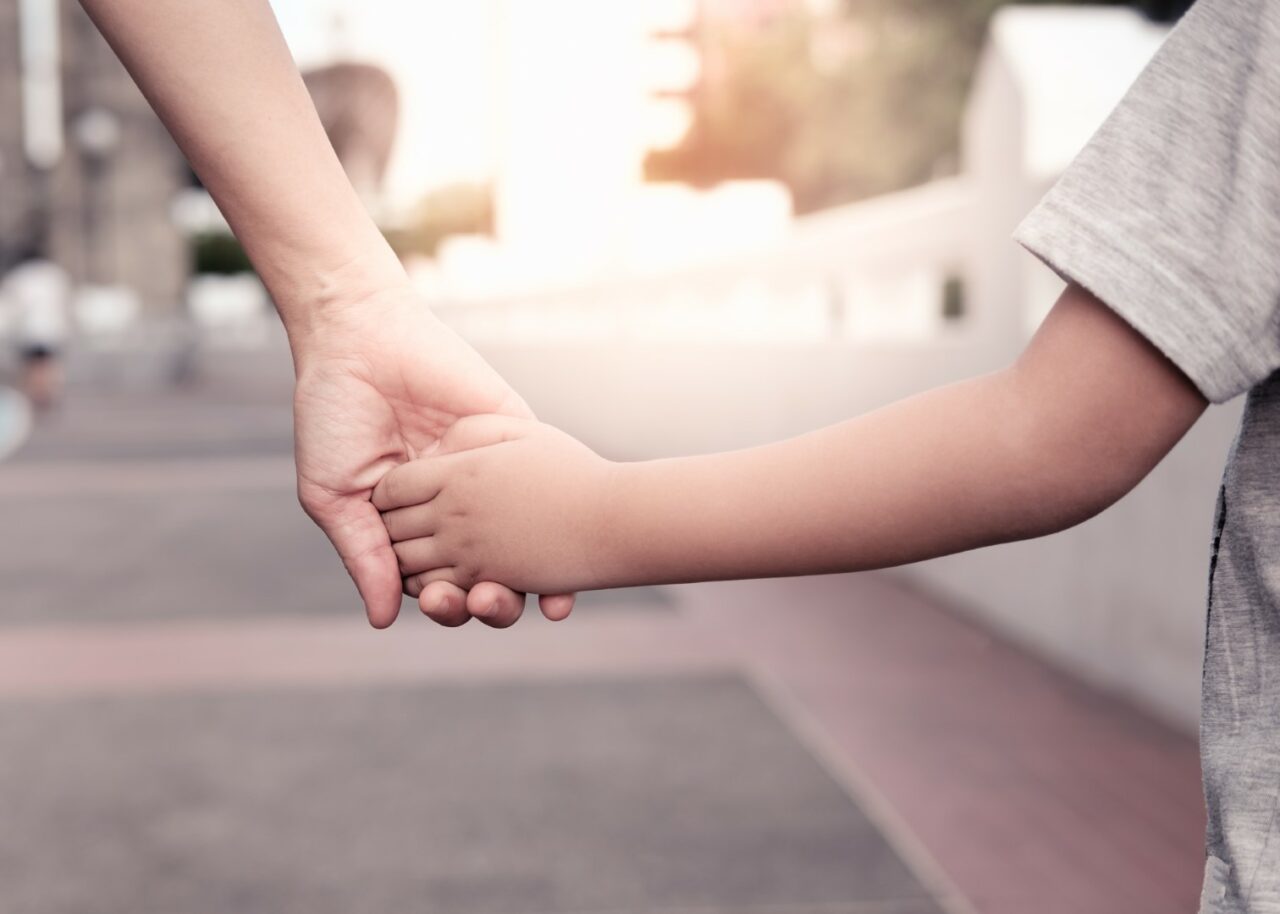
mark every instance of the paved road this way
{"type": "Point", "coordinates": [195, 719]}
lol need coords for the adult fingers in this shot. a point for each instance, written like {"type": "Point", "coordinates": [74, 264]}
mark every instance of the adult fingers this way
{"type": "Point", "coordinates": [513, 405]}
{"type": "Point", "coordinates": [495, 605]}
{"type": "Point", "coordinates": [471, 432]}
{"type": "Point", "coordinates": [355, 528]}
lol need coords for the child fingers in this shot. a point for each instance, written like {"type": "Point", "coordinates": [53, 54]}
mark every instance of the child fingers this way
{"type": "Point", "coordinates": [495, 605]}
{"type": "Point", "coordinates": [412, 483]}
{"type": "Point", "coordinates": [410, 523]}
{"type": "Point", "coordinates": [444, 603]}
{"type": "Point", "coordinates": [419, 555]}
{"type": "Point", "coordinates": [415, 584]}
{"type": "Point", "coordinates": [556, 607]}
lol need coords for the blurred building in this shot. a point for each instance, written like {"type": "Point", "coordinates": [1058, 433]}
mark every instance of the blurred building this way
{"type": "Point", "coordinates": [89, 173]}
{"type": "Point", "coordinates": [359, 108]}
{"type": "Point", "coordinates": [13, 183]}
{"type": "Point", "coordinates": [110, 197]}
{"type": "Point", "coordinates": [578, 111]}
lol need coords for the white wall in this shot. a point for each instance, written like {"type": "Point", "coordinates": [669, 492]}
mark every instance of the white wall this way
{"type": "Point", "coordinates": [641, 400]}
{"type": "Point", "coordinates": [1119, 600]}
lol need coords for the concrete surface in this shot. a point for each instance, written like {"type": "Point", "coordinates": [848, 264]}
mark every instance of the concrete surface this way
{"type": "Point", "coordinates": [194, 717]}
{"type": "Point", "coordinates": [602, 796]}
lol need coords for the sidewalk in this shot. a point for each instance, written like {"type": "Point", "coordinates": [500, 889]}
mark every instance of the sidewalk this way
{"type": "Point", "coordinates": [1029, 790]}
{"type": "Point", "coordinates": [194, 712]}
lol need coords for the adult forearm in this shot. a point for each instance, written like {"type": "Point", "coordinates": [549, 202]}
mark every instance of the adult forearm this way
{"type": "Point", "coordinates": [221, 78]}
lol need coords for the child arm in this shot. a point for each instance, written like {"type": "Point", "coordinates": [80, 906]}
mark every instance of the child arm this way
{"type": "Point", "coordinates": [1082, 416]}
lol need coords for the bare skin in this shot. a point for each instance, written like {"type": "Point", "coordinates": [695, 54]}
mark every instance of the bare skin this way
{"type": "Point", "coordinates": [1085, 413]}
{"type": "Point", "coordinates": [380, 380]}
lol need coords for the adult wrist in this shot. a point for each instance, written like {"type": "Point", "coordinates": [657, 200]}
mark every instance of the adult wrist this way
{"type": "Point", "coordinates": [328, 304]}
{"type": "Point", "coordinates": [314, 295]}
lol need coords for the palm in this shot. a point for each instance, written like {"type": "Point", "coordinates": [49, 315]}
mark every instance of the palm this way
{"type": "Point", "coordinates": [369, 397]}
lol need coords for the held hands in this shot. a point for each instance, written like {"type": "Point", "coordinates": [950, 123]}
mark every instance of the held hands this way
{"type": "Point", "coordinates": [382, 386]}
{"type": "Point", "coordinates": [502, 499]}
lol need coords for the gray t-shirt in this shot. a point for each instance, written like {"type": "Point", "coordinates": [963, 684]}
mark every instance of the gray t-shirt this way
{"type": "Point", "coordinates": [1171, 216]}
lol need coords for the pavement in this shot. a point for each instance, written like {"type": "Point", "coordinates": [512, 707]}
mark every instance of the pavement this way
{"type": "Point", "coordinates": [195, 718]}
{"type": "Point", "coordinates": [15, 421]}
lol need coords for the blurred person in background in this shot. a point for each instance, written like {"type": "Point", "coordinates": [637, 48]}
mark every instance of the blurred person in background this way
{"type": "Point", "coordinates": [37, 292]}
{"type": "Point", "coordinates": [1167, 229]}
{"type": "Point", "coordinates": [15, 421]}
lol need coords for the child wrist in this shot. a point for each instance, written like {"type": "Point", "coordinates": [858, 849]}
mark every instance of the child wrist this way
{"type": "Point", "coordinates": [611, 521]}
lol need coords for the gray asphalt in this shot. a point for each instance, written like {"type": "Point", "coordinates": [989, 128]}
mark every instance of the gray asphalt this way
{"type": "Point", "coordinates": [596, 797]}
{"type": "Point", "coordinates": [101, 554]}
{"type": "Point", "coordinates": [579, 797]}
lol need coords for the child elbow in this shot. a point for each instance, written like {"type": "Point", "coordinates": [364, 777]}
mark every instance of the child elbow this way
{"type": "Point", "coordinates": [1083, 483]}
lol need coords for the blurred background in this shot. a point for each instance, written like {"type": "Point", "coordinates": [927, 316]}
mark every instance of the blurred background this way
{"type": "Point", "coordinates": [675, 227]}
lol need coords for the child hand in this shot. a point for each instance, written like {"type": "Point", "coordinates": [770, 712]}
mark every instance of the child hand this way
{"type": "Point", "coordinates": [508, 500]}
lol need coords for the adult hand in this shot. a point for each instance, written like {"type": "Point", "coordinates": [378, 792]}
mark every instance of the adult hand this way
{"type": "Point", "coordinates": [378, 377]}
{"type": "Point", "coordinates": [379, 382]}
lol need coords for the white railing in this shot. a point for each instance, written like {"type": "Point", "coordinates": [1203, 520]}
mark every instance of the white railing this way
{"type": "Point", "coordinates": [870, 271]}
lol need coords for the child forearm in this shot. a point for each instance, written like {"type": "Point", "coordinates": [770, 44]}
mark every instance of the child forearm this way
{"type": "Point", "coordinates": [1087, 411]}
{"type": "Point", "coordinates": [1085, 414]}
{"type": "Point", "coordinates": [943, 472]}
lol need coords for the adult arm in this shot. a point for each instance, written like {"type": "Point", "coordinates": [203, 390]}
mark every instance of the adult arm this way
{"type": "Point", "coordinates": [379, 379]}
{"type": "Point", "coordinates": [1081, 417]}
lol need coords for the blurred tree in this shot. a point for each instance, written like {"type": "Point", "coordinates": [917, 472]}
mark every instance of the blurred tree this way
{"type": "Point", "coordinates": [456, 209]}
{"type": "Point", "coordinates": [861, 101]}
{"type": "Point", "coordinates": [219, 253]}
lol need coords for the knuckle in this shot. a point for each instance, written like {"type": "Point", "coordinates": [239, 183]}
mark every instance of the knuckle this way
{"type": "Point", "coordinates": [309, 505]}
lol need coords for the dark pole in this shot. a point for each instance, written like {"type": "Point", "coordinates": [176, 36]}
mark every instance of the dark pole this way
{"type": "Point", "coordinates": [1165, 10]}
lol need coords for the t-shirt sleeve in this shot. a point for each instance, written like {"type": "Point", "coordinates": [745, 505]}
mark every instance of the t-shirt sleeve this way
{"type": "Point", "coordinates": [1171, 213]}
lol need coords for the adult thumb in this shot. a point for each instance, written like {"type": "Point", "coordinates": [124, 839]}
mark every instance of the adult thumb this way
{"type": "Point", "coordinates": [480, 431]}
{"type": "Point", "coordinates": [355, 528]}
